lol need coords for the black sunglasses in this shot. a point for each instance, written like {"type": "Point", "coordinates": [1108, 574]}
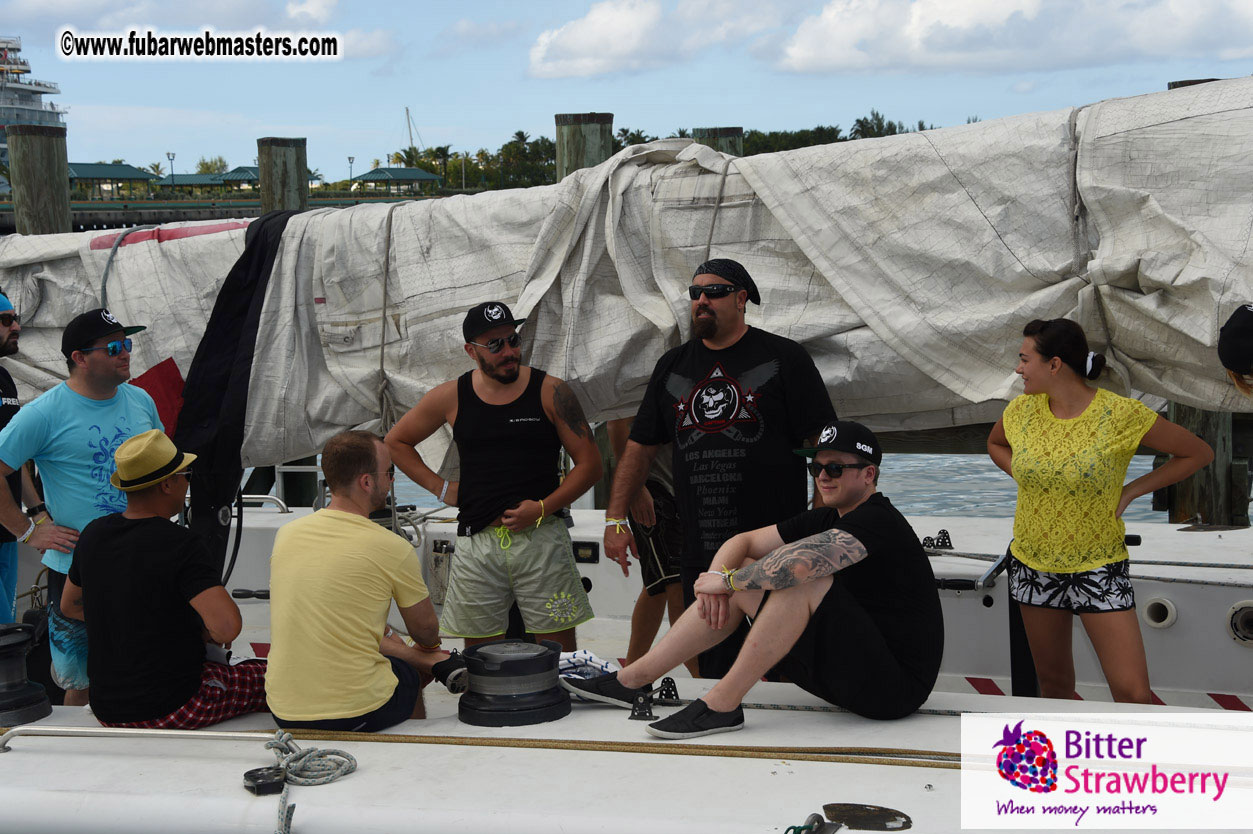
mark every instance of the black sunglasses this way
{"type": "Point", "coordinates": [833, 470]}
{"type": "Point", "coordinates": [9, 319]}
{"type": "Point", "coordinates": [497, 345]}
{"type": "Point", "coordinates": [711, 290]}
{"type": "Point", "coordinates": [112, 348]}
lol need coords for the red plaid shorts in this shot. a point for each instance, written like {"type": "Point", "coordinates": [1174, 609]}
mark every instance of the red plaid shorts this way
{"type": "Point", "coordinates": [225, 692]}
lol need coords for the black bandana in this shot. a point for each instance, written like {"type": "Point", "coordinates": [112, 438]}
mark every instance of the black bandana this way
{"type": "Point", "coordinates": [732, 271]}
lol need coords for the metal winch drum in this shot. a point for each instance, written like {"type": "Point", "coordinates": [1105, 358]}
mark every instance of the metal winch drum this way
{"type": "Point", "coordinates": [513, 684]}
{"type": "Point", "coordinates": [20, 700]}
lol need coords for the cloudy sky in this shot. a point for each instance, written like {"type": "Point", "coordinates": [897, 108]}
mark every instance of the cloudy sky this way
{"type": "Point", "coordinates": [472, 73]}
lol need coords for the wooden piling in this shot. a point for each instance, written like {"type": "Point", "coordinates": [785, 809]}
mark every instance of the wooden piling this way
{"type": "Point", "coordinates": [1209, 496]}
{"type": "Point", "coordinates": [283, 174]}
{"type": "Point", "coordinates": [728, 140]}
{"type": "Point", "coordinates": [584, 140]}
{"type": "Point", "coordinates": [39, 174]}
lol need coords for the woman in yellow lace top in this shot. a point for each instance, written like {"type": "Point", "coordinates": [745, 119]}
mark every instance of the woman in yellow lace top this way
{"type": "Point", "coordinates": [1067, 445]}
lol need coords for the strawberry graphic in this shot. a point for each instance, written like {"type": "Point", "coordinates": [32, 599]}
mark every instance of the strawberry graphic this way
{"type": "Point", "coordinates": [1027, 760]}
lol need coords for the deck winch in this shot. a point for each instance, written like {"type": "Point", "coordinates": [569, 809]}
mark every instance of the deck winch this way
{"type": "Point", "coordinates": [20, 700]}
{"type": "Point", "coordinates": [513, 684]}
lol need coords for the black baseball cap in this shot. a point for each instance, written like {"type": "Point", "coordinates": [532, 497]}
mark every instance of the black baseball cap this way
{"type": "Point", "coordinates": [846, 436]}
{"type": "Point", "coordinates": [1235, 341]}
{"type": "Point", "coordinates": [87, 327]}
{"type": "Point", "coordinates": [485, 316]}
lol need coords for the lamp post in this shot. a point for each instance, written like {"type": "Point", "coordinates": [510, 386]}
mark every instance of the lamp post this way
{"type": "Point", "coordinates": [350, 159]}
{"type": "Point", "coordinates": [170, 156]}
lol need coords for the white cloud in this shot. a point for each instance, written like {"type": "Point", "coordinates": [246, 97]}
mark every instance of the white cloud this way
{"type": "Point", "coordinates": [1022, 88]}
{"type": "Point", "coordinates": [1014, 35]}
{"type": "Point", "coordinates": [319, 11]}
{"type": "Point", "coordinates": [613, 36]}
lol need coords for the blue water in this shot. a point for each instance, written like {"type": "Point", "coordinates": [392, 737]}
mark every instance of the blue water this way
{"type": "Point", "coordinates": [967, 485]}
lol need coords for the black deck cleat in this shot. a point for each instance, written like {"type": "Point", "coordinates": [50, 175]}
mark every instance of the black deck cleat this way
{"type": "Point", "coordinates": [642, 707]}
{"type": "Point", "coordinates": [943, 541]}
{"type": "Point", "coordinates": [668, 694]}
{"type": "Point", "coordinates": [265, 780]}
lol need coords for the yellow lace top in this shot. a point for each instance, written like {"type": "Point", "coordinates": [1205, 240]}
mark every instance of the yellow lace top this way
{"type": "Point", "coordinates": [1070, 476]}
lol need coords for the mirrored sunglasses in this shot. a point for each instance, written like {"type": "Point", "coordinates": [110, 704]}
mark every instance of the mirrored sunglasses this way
{"type": "Point", "coordinates": [112, 348]}
{"type": "Point", "coordinates": [833, 470]}
{"type": "Point", "coordinates": [711, 290]}
{"type": "Point", "coordinates": [497, 345]}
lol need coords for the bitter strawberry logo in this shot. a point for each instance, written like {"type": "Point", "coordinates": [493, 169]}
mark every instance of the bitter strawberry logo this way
{"type": "Point", "coordinates": [1027, 760]}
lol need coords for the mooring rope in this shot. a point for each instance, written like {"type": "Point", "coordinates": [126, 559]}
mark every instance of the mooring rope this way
{"type": "Point", "coordinates": [305, 768]}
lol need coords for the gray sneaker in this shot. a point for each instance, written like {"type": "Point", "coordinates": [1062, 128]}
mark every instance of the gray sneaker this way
{"type": "Point", "coordinates": [697, 719]}
{"type": "Point", "coordinates": [604, 688]}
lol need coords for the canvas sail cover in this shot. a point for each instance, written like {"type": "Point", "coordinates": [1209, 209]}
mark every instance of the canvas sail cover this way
{"type": "Point", "coordinates": [907, 266]}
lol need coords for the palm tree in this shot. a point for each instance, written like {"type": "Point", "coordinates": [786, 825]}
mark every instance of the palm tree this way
{"type": "Point", "coordinates": [156, 168]}
{"type": "Point", "coordinates": [408, 157]}
{"type": "Point", "coordinates": [680, 133]}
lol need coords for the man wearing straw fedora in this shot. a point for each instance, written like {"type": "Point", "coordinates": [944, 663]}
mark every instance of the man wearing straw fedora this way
{"type": "Point", "coordinates": [150, 594]}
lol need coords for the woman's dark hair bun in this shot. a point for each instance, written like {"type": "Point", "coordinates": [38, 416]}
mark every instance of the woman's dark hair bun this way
{"type": "Point", "coordinates": [1064, 339]}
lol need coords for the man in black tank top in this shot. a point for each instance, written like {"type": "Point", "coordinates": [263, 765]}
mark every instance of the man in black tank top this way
{"type": "Point", "coordinates": [734, 401]}
{"type": "Point", "coordinates": [509, 422]}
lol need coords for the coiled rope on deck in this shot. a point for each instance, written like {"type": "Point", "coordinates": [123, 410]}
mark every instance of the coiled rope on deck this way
{"type": "Point", "coordinates": [305, 768]}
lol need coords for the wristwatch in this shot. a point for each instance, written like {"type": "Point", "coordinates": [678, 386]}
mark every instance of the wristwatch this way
{"type": "Point", "coordinates": [36, 510]}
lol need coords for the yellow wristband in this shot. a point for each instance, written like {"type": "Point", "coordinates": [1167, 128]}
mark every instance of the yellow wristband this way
{"type": "Point", "coordinates": [429, 648]}
{"type": "Point", "coordinates": [541, 513]}
{"type": "Point", "coordinates": [727, 576]}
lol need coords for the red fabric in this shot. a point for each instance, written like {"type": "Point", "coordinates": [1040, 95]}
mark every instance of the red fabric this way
{"type": "Point", "coordinates": [164, 383]}
{"type": "Point", "coordinates": [225, 692]}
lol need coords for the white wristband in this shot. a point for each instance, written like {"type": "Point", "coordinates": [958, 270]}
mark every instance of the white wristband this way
{"type": "Point", "coordinates": [25, 537]}
{"type": "Point", "coordinates": [443, 492]}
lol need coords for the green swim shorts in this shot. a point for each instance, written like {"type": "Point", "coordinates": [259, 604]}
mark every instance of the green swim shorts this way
{"type": "Point", "coordinates": [495, 567]}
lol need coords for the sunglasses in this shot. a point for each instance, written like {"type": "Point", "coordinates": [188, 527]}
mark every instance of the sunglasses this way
{"type": "Point", "coordinates": [711, 290]}
{"type": "Point", "coordinates": [833, 470]}
{"type": "Point", "coordinates": [9, 319]}
{"type": "Point", "coordinates": [497, 345]}
{"type": "Point", "coordinates": [186, 473]}
{"type": "Point", "coordinates": [112, 348]}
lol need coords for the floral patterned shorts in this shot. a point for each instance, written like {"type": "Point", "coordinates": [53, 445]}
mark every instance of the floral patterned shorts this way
{"type": "Point", "coordinates": [1107, 588]}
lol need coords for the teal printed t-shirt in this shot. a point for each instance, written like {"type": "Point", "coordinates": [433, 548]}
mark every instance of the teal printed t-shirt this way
{"type": "Point", "coordinates": [72, 439]}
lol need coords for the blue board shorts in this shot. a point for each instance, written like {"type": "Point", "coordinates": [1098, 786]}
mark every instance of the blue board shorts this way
{"type": "Point", "coordinates": [67, 639]}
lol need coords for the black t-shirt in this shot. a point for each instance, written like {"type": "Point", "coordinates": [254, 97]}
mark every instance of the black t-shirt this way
{"type": "Point", "coordinates": [894, 583]}
{"type": "Point", "coordinates": [734, 416]}
{"type": "Point", "coordinates": [145, 649]}
{"type": "Point", "coordinates": [8, 407]}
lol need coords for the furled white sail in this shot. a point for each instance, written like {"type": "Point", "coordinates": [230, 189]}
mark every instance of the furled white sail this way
{"type": "Point", "coordinates": [906, 265]}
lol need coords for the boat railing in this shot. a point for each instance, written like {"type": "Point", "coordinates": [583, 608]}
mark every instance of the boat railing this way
{"type": "Point", "coordinates": [124, 732]}
{"type": "Point", "coordinates": [272, 499]}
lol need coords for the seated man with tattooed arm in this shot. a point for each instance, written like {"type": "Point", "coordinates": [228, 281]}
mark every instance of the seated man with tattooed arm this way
{"type": "Point", "coordinates": [841, 599]}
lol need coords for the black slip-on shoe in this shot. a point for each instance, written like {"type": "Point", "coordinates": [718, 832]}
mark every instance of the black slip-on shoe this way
{"type": "Point", "coordinates": [697, 719]}
{"type": "Point", "coordinates": [452, 673]}
{"type": "Point", "coordinates": [605, 689]}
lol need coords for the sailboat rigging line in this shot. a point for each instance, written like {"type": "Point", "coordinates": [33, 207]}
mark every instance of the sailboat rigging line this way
{"type": "Point", "coordinates": [888, 756]}
{"type": "Point", "coordinates": [239, 534]}
{"type": "Point", "coordinates": [117, 241]}
{"type": "Point", "coordinates": [387, 404]}
{"type": "Point", "coordinates": [713, 221]}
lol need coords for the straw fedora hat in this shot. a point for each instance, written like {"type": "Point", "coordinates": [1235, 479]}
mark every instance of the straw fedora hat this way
{"type": "Point", "coordinates": [147, 459]}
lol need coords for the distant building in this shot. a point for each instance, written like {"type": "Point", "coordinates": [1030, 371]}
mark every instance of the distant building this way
{"type": "Point", "coordinates": [21, 97]}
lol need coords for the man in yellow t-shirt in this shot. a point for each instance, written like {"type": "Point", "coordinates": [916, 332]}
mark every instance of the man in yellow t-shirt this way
{"type": "Point", "coordinates": [333, 664]}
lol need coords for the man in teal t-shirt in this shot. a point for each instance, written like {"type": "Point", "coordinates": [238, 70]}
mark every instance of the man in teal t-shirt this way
{"type": "Point", "coordinates": [71, 433]}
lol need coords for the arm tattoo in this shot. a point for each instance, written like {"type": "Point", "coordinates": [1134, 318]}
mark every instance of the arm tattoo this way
{"type": "Point", "coordinates": [569, 410]}
{"type": "Point", "coordinates": [802, 561]}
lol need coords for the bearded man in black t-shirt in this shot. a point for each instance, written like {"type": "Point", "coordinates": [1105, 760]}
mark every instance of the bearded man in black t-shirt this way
{"type": "Point", "coordinates": [734, 400]}
{"type": "Point", "coordinates": [842, 602]}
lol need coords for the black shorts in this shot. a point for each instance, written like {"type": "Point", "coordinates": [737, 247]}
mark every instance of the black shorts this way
{"type": "Point", "coordinates": [398, 708]}
{"type": "Point", "coordinates": [659, 546]}
{"type": "Point", "coordinates": [842, 657]}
